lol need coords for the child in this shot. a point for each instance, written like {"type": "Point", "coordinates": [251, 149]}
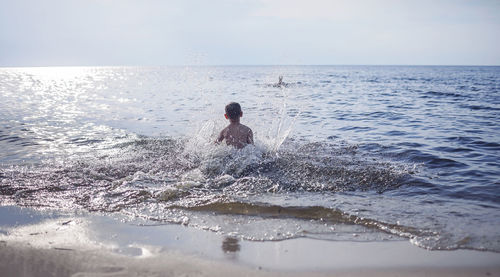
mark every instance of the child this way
{"type": "Point", "coordinates": [235, 134]}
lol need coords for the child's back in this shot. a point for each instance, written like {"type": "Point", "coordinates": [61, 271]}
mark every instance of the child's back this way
{"type": "Point", "coordinates": [235, 134]}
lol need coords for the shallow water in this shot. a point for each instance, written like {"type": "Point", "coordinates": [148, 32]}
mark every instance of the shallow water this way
{"type": "Point", "coordinates": [362, 153]}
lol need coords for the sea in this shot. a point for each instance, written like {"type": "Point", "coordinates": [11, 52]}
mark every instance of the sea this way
{"type": "Point", "coordinates": [341, 153]}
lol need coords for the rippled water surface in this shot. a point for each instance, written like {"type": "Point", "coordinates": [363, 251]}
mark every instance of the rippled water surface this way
{"type": "Point", "coordinates": [342, 152]}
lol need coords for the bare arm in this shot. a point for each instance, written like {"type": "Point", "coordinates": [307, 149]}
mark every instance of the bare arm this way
{"type": "Point", "coordinates": [221, 137]}
{"type": "Point", "coordinates": [250, 137]}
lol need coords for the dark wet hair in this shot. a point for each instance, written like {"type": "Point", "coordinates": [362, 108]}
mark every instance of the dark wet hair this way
{"type": "Point", "coordinates": [233, 110]}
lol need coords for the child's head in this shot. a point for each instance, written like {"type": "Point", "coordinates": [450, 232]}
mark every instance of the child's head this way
{"type": "Point", "coordinates": [233, 111]}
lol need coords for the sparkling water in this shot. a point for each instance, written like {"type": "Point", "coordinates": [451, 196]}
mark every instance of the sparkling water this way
{"type": "Point", "coordinates": [341, 152]}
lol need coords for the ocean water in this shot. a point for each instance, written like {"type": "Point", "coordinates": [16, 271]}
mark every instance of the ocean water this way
{"type": "Point", "coordinates": [363, 153]}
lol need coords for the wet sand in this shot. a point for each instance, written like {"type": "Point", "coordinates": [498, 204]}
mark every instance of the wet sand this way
{"type": "Point", "coordinates": [89, 245]}
{"type": "Point", "coordinates": [23, 260]}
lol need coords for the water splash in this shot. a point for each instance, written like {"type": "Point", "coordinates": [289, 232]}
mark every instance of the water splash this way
{"type": "Point", "coordinates": [283, 118]}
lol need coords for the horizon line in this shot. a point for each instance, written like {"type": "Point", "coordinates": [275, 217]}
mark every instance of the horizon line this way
{"type": "Point", "coordinates": [249, 65]}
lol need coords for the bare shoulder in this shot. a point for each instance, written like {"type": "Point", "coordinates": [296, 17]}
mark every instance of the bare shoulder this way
{"type": "Point", "coordinates": [222, 134]}
{"type": "Point", "coordinates": [248, 134]}
{"type": "Point", "coordinates": [245, 128]}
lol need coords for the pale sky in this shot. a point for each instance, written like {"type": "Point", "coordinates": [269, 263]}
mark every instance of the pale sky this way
{"type": "Point", "coordinates": [249, 32]}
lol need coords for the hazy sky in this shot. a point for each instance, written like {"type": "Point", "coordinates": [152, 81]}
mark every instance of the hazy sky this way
{"type": "Point", "coordinates": [177, 32]}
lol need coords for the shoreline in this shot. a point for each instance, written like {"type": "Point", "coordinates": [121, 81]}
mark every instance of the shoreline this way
{"type": "Point", "coordinates": [32, 244]}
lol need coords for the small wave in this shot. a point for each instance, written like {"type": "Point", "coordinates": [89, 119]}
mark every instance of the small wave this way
{"type": "Point", "coordinates": [443, 94]}
{"type": "Point", "coordinates": [430, 160]}
{"type": "Point", "coordinates": [486, 145]}
{"type": "Point", "coordinates": [480, 107]}
{"type": "Point", "coordinates": [411, 144]}
{"type": "Point", "coordinates": [380, 114]}
{"type": "Point", "coordinates": [356, 128]}
{"type": "Point", "coordinates": [475, 142]}
{"type": "Point", "coordinates": [396, 133]}
{"type": "Point", "coordinates": [461, 139]}
{"type": "Point", "coordinates": [331, 216]}
{"type": "Point", "coordinates": [452, 149]}
{"type": "Point", "coordinates": [139, 169]}
{"type": "Point", "coordinates": [10, 138]}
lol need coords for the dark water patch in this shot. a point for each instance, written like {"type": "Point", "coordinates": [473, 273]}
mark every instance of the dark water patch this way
{"type": "Point", "coordinates": [372, 147]}
{"type": "Point", "coordinates": [493, 162]}
{"type": "Point", "coordinates": [410, 154]}
{"type": "Point", "coordinates": [472, 173]}
{"type": "Point", "coordinates": [408, 79]}
{"type": "Point", "coordinates": [479, 107]}
{"type": "Point", "coordinates": [411, 144]}
{"type": "Point", "coordinates": [475, 131]}
{"type": "Point", "coordinates": [345, 116]}
{"type": "Point", "coordinates": [334, 137]}
{"type": "Point", "coordinates": [441, 94]}
{"type": "Point", "coordinates": [356, 128]}
{"type": "Point", "coordinates": [483, 194]}
{"type": "Point", "coordinates": [395, 133]}
{"type": "Point", "coordinates": [309, 115]}
{"type": "Point", "coordinates": [429, 160]}
{"type": "Point", "coordinates": [402, 106]}
{"type": "Point", "coordinates": [452, 149]}
{"type": "Point", "coordinates": [443, 163]}
{"type": "Point", "coordinates": [473, 155]}
{"type": "Point", "coordinates": [10, 138]}
{"type": "Point", "coordinates": [462, 139]}
{"type": "Point", "coordinates": [486, 145]}
{"type": "Point", "coordinates": [379, 114]}
{"type": "Point", "coordinates": [419, 186]}
{"type": "Point", "coordinates": [488, 205]}
{"type": "Point", "coordinates": [28, 143]}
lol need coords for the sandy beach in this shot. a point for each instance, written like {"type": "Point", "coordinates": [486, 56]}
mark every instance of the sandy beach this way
{"type": "Point", "coordinates": [90, 245]}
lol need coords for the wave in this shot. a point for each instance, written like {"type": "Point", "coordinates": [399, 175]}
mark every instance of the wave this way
{"type": "Point", "coordinates": [183, 173]}
{"type": "Point", "coordinates": [440, 94]}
